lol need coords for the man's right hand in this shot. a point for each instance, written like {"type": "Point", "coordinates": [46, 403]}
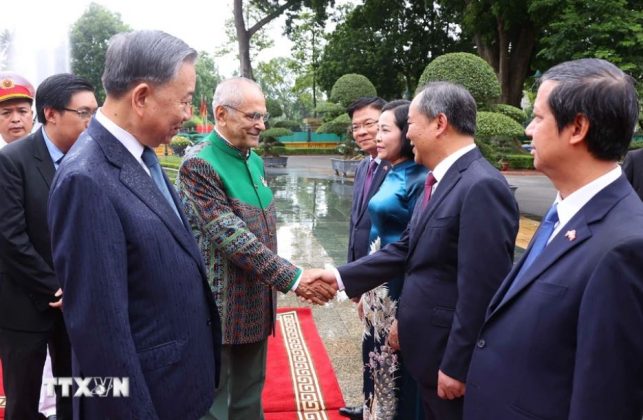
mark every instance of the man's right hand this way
{"type": "Point", "coordinates": [315, 287]}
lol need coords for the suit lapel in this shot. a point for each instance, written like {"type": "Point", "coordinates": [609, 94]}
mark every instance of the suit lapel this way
{"type": "Point", "coordinates": [133, 177]}
{"type": "Point", "coordinates": [43, 160]}
{"type": "Point", "coordinates": [444, 187]}
{"type": "Point", "coordinates": [378, 178]}
{"type": "Point", "coordinates": [593, 212]}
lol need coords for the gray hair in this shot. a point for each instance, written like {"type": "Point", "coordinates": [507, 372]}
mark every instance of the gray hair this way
{"type": "Point", "coordinates": [143, 56]}
{"type": "Point", "coordinates": [230, 92]}
{"type": "Point", "coordinates": [452, 100]}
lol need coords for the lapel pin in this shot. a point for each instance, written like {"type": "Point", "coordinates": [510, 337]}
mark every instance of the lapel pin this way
{"type": "Point", "coordinates": [571, 234]}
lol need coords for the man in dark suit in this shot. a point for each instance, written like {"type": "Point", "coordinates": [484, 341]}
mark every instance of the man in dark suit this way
{"type": "Point", "coordinates": [457, 249]}
{"type": "Point", "coordinates": [370, 173]}
{"type": "Point", "coordinates": [137, 304]}
{"type": "Point", "coordinates": [30, 302]}
{"type": "Point", "coordinates": [562, 337]}
{"type": "Point", "coordinates": [633, 170]}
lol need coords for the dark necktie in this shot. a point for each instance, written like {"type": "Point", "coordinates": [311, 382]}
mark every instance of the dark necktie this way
{"type": "Point", "coordinates": [539, 243]}
{"type": "Point", "coordinates": [429, 182]}
{"type": "Point", "coordinates": [152, 162]}
{"type": "Point", "coordinates": [368, 181]}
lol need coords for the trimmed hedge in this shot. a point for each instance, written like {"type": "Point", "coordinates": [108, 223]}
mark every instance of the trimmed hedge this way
{"type": "Point", "coordinates": [292, 125]}
{"type": "Point", "coordinates": [337, 126]}
{"type": "Point", "coordinates": [494, 124]}
{"type": "Point", "coordinates": [465, 69]}
{"type": "Point", "coordinates": [512, 112]}
{"type": "Point", "coordinates": [269, 145]}
{"type": "Point", "coordinates": [520, 161]}
{"type": "Point", "coordinates": [350, 87]}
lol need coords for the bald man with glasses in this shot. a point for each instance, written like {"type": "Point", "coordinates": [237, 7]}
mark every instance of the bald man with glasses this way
{"type": "Point", "coordinates": [231, 210]}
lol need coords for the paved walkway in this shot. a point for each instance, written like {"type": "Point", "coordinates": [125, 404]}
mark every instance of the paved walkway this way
{"type": "Point", "coordinates": [313, 209]}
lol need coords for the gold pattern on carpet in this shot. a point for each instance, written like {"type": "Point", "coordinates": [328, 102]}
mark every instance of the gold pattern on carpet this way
{"type": "Point", "coordinates": [308, 397]}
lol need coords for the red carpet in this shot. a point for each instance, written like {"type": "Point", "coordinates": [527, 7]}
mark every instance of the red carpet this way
{"type": "Point", "coordinates": [300, 381]}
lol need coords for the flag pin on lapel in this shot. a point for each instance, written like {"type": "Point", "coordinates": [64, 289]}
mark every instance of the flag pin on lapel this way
{"type": "Point", "coordinates": [571, 234]}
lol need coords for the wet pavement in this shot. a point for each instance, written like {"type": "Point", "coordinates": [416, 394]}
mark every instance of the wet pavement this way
{"type": "Point", "coordinates": [313, 208]}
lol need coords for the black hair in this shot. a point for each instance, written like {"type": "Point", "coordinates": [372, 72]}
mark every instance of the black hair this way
{"type": "Point", "coordinates": [400, 110]}
{"type": "Point", "coordinates": [56, 92]}
{"type": "Point", "coordinates": [601, 92]}
{"type": "Point", "coordinates": [365, 102]}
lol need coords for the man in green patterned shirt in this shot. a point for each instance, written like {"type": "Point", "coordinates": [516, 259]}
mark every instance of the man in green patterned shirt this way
{"type": "Point", "coordinates": [226, 198]}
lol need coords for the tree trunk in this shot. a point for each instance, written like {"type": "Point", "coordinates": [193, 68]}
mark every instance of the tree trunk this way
{"type": "Point", "coordinates": [243, 39]}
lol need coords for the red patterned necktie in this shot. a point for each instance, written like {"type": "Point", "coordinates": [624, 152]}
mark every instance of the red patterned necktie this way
{"type": "Point", "coordinates": [428, 187]}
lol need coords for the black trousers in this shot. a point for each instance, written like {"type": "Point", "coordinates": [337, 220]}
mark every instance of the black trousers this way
{"type": "Point", "coordinates": [435, 408]}
{"type": "Point", "coordinates": [23, 357]}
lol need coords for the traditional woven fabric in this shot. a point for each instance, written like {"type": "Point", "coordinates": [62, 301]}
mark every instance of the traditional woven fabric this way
{"type": "Point", "coordinates": [232, 215]}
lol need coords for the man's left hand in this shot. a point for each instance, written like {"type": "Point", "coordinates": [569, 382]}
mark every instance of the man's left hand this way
{"type": "Point", "coordinates": [449, 388]}
{"type": "Point", "coordinates": [59, 302]}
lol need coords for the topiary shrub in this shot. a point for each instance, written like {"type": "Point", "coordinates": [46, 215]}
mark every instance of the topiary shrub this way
{"type": "Point", "coordinates": [512, 112]}
{"type": "Point", "coordinates": [274, 108]}
{"type": "Point", "coordinates": [178, 144]}
{"type": "Point", "coordinates": [465, 69]}
{"type": "Point", "coordinates": [329, 110]}
{"type": "Point", "coordinates": [494, 124]}
{"type": "Point", "coordinates": [338, 125]}
{"type": "Point", "coordinates": [350, 87]}
{"type": "Point", "coordinates": [268, 145]}
{"type": "Point", "coordinates": [289, 124]}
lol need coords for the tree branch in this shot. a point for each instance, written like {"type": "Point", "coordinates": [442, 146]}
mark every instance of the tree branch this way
{"type": "Point", "coordinates": [269, 17]}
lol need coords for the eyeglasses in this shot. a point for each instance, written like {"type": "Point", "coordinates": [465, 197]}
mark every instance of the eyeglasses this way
{"type": "Point", "coordinates": [254, 116]}
{"type": "Point", "coordinates": [84, 113]}
{"type": "Point", "coordinates": [367, 125]}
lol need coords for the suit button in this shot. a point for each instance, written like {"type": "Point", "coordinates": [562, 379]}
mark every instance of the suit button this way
{"type": "Point", "coordinates": [209, 323]}
{"type": "Point", "coordinates": [481, 343]}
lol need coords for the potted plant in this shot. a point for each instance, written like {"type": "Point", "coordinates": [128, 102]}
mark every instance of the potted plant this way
{"type": "Point", "coordinates": [269, 146]}
{"type": "Point", "coordinates": [179, 144]}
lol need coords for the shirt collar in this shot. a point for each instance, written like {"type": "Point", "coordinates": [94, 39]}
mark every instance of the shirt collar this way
{"type": "Point", "coordinates": [124, 137]}
{"type": "Point", "coordinates": [247, 153]}
{"type": "Point", "coordinates": [55, 153]}
{"type": "Point", "coordinates": [571, 205]}
{"type": "Point", "coordinates": [443, 167]}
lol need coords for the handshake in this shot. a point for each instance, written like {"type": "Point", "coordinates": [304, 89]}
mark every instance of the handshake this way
{"type": "Point", "coordinates": [317, 286]}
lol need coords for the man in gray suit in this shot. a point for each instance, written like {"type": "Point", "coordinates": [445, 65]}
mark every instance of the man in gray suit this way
{"type": "Point", "coordinates": [137, 304]}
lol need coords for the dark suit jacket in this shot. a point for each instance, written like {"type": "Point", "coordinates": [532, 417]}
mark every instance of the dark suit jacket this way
{"type": "Point", "coordinates": [137, 304]}
{"type": "Point", "coordinates": [27, 279]}
{"type": "Point", "coordinates": [633, 170]}
{"type": "Point", "coordinates": [454, 255]}
{"type": "Point", "coordinates": [360, 223]}
{"type": "Point", "coordinates": [568, 344]}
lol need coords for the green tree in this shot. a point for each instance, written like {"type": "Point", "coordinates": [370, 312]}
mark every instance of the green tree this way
{"type": "Point", "coordinates": [207, 79]}
{"type": "Point", "coordinates": [349, 87]}
{"type": "Point", "coordinates": [390, 42]}
{"type": "Point", "coordinates": [608, 29]}
{"type": "Point", "coordinates": [506, 34]}
{"type": "Point", "coordinates": [89, 41]}
{"type": "Point", "coordinates": [277, 80]}
{"type": "Point", "coordinates": [270, 10]}
{"type": "Point", "coordinates": [307, 36]}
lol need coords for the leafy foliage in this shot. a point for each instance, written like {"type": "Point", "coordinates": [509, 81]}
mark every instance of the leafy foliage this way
{"type": "Point", "coordinates": [289, 124]}
{"type": "Point", "coordinates": [512, 112]}
{"type": "Point", "coordinates": [390, 42]}
{"type": "Point", "coordinates": [274, 108]}
{"type": "Point", "coordinates": [350, 87]}
{"type": "Point", "coordinates": [269, 140]}
{"type": "Point", "coordinates": [330, 110]}
{"type": "Point", "coordinates": [467, 70]}
{"type": "Point", "coordinates": [207, 79]}
{"type": "Point", "coordinates": [89, 41]}
{"type": "Point", "coordinates": [338, 125]}
{"type": "Point", "coordinates": [179, 144]}
{"type": "Point", "coordinates": [494, 124]}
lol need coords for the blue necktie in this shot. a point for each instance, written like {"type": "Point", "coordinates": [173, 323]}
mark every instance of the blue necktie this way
{"type": "Point", "coordinates": [152, 162]}
{"type": "Point", "coordinates": [539, 243]}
